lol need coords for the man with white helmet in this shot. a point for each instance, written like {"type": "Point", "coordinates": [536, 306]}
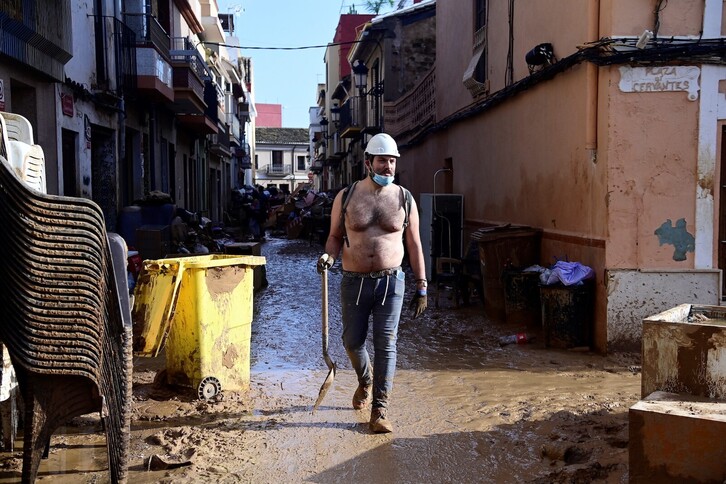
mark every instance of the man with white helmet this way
{"type": "Point", "coordinates": [372, 220]}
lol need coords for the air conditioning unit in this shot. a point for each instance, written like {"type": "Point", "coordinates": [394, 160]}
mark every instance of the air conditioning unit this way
{"type": "Point", "coordinates": [442, 228]}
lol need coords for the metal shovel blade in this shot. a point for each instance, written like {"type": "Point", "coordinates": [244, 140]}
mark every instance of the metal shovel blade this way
{"type": "Point", "coordinates": [326, 385]}
{"type": "Point", "coordinates": [328, 361]}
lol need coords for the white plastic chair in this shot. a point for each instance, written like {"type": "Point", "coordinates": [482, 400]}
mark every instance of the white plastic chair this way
{"type": "Point", "coordinates": [26, 158]}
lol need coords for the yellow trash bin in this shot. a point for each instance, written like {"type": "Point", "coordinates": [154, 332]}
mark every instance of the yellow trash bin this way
{"type": "Point", "coordinates": [201, 307]}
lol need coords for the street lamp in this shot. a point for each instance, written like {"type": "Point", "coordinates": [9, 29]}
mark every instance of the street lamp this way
{"type": "Point", "coordinates": [335, 114]}
{"type": "Point", "coordinates": [360, 74]}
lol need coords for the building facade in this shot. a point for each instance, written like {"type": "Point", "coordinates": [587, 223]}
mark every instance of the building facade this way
{"type": "Point", "coordinates": [607, 135]}
{"type": "Point", "coordinates": [130, 98]}
{"type": "Point", "coordinates": [281, 157]}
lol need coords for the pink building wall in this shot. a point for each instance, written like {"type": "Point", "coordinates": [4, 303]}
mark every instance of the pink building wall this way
{"type": "Point", "coordinates": [598, 169]}
{"type": "Point", "coordinates": [346, 32]}
{"type": "Point", "coordinates": [268, 115]}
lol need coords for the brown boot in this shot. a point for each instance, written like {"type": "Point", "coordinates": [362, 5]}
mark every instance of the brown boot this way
{"type": "Point", "coordinates": [362, 397]}
{"type": "Point", "coordinates": [379, 423]}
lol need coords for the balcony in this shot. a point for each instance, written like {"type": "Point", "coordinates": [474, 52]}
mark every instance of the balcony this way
{"type": "Point", "coordinates": [29, 37]}
{"type": "Point", "coordinates": [278, 170]}
{"type": "Point", "coordinates": [149, 33]}
{"type": "Point", "coordinates": [316, 166]}
{"type": "Point", "coordinates": [413, 111]}
{"type": "Point", "coordinates": [352, 117]}
{"type": "Point", "coordinates": [243, 157]}
{"type": "Point", "coordinates": [115, 46]}
{"type": "Point", "coordinates": [244, 111]}
{"type": "Point", "coordinates": [234, 129]}
{"type": "Point", "coordinates": [152, 57]}
{"type": "Point", "coordinates": [189, 75]}
{"type": "Point", "coordinates": [219, 144]}
{"type": "Point", "coordinates": [214, 99]}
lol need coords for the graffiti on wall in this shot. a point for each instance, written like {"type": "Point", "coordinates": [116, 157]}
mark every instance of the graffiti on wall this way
{"type": "Point", "coordinates": [678, 237]}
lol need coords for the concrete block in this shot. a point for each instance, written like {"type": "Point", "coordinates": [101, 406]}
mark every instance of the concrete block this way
{"type": "Point", "coordinates": [676, 438]}
{"type": "Point", "coordinates": [684, 351]}
{"type": "Point", "coordinates": [633, 295]}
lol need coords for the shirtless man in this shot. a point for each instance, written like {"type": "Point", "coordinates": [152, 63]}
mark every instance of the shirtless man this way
{"type": "Point", "coordinates": [371, 226]}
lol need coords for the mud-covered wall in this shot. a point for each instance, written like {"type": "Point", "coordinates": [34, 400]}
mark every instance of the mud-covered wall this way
{"type": "Point", "coordinates": [652, 154]}
{"type": "Point", "coordinates": [610, 175]}
{"type": "Point", "coordinates": [633, 295]}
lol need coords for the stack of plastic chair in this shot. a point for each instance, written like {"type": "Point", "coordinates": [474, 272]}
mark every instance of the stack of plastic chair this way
{"type": "Point", "coordinates": [26, 158]}
{"type": "Point", "coordinates": [64, 323]}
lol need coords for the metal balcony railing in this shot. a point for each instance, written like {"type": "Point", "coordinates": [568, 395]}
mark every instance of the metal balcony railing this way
{"type": "Point", "coordinates": [189, 69]}
{"type": "Point", "coordinates": [221, 138]}
{"type": "Point", "coordinates": [352, 114]}
{"type": "Point", "coordinates": [413, 111]}
{"type": "Point", "coordinates": [243, 156]}
{"type": "Point", "coordinates": [115, 61]}
{"type": "Point", "coordinates": [148, 32]}
{"type": "Point", "coordinates": [183, 51]}
{"type": "Point", "coordinates": [214, 98]}
{"type": "Point", "coordinates": [279, 170]}
{"type": "Point", "coordinates": [234, 128]}
{"type": "Point", "coordinates": [126, 74]}
{"type": "Point", "coordinates": [316, 166]}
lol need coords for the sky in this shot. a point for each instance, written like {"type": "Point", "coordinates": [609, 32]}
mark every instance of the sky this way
{"type": "Point", "coordinates": [288, 77]}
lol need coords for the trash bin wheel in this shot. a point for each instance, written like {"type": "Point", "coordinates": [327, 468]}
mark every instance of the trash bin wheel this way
{"type": "Point", "coordinates": [208, 388]}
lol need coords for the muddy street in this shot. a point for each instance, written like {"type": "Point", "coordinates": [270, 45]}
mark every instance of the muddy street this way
{"type": "Point", "coordinates": [464, 408]}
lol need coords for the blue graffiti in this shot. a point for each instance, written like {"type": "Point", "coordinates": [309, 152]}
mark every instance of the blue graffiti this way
{"type": "Point", "coordinates": [678, 236]}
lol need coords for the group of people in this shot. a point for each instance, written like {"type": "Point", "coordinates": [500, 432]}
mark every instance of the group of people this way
{"type": "Point", "coordinates": [254, 205]}
{"type": "Point", "coordinates": [374, 222]}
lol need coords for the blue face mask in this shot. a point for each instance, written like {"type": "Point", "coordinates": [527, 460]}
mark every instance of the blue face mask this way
{"type": "Point", "coordinates": [381, 180]}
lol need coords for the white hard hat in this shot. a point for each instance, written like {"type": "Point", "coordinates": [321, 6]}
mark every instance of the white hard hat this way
{"type": "Point", "coordinates": [382, 144]}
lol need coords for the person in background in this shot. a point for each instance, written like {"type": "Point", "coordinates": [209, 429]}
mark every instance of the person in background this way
{"type": "Point", "coordinates": [374, 221]}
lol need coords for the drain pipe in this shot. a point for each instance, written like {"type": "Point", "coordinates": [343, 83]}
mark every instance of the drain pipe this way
{"type": "Point", "coordinates": [591, 79]}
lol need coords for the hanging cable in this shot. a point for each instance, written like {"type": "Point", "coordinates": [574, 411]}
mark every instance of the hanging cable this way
{"type": "Point", "coordinates": [509, 78]}
{"type": "Point", "coordinates": [660, 5]}
{"type": "Point", "coordinates": [303, 47]}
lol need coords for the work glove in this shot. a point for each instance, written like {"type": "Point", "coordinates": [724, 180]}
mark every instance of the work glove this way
{"type": "Point", "coordinates": [324, 263]}
{"type": "Point", "coordinates": [418, 303]}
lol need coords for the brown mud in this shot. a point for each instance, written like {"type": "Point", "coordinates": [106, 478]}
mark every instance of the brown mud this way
{"type": "Point", "coordinates": [464, 408]}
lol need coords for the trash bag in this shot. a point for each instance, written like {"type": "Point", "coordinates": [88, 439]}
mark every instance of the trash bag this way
{"type": "Point", "coordinates": [569, 273]}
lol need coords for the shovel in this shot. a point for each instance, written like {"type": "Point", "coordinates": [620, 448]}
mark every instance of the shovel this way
{"type": "Point", "coordinates": [331, 365]}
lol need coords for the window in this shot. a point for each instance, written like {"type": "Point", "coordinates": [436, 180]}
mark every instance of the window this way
{"type": "Point", "coordinates": [480, 14]}
{"type": "Point", "coordinates": [277, 160]}
{"type": "Point", "coordinates": [301, 163]}
{"type": "Point", "coordinates": [475, 76]}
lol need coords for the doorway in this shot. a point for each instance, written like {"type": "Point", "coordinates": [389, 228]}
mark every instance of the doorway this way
{"type": "Point", "coordinates": [103, 173]}
{"type": "Point", "coordinates": [69, 142]}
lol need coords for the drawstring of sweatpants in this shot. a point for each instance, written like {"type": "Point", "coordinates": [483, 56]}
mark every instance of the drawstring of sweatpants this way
{"type": "Point", "coordinates": [385, 293]}
{"type": "Point", "coordinates": [360, 289]}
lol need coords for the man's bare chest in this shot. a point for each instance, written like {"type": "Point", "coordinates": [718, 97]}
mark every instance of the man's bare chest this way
{"type": "Point", "coordinates": [370, 213]}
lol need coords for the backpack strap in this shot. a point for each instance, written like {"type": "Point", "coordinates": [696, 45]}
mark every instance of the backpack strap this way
{"type": "Point", "coordinates": [407, 197]}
